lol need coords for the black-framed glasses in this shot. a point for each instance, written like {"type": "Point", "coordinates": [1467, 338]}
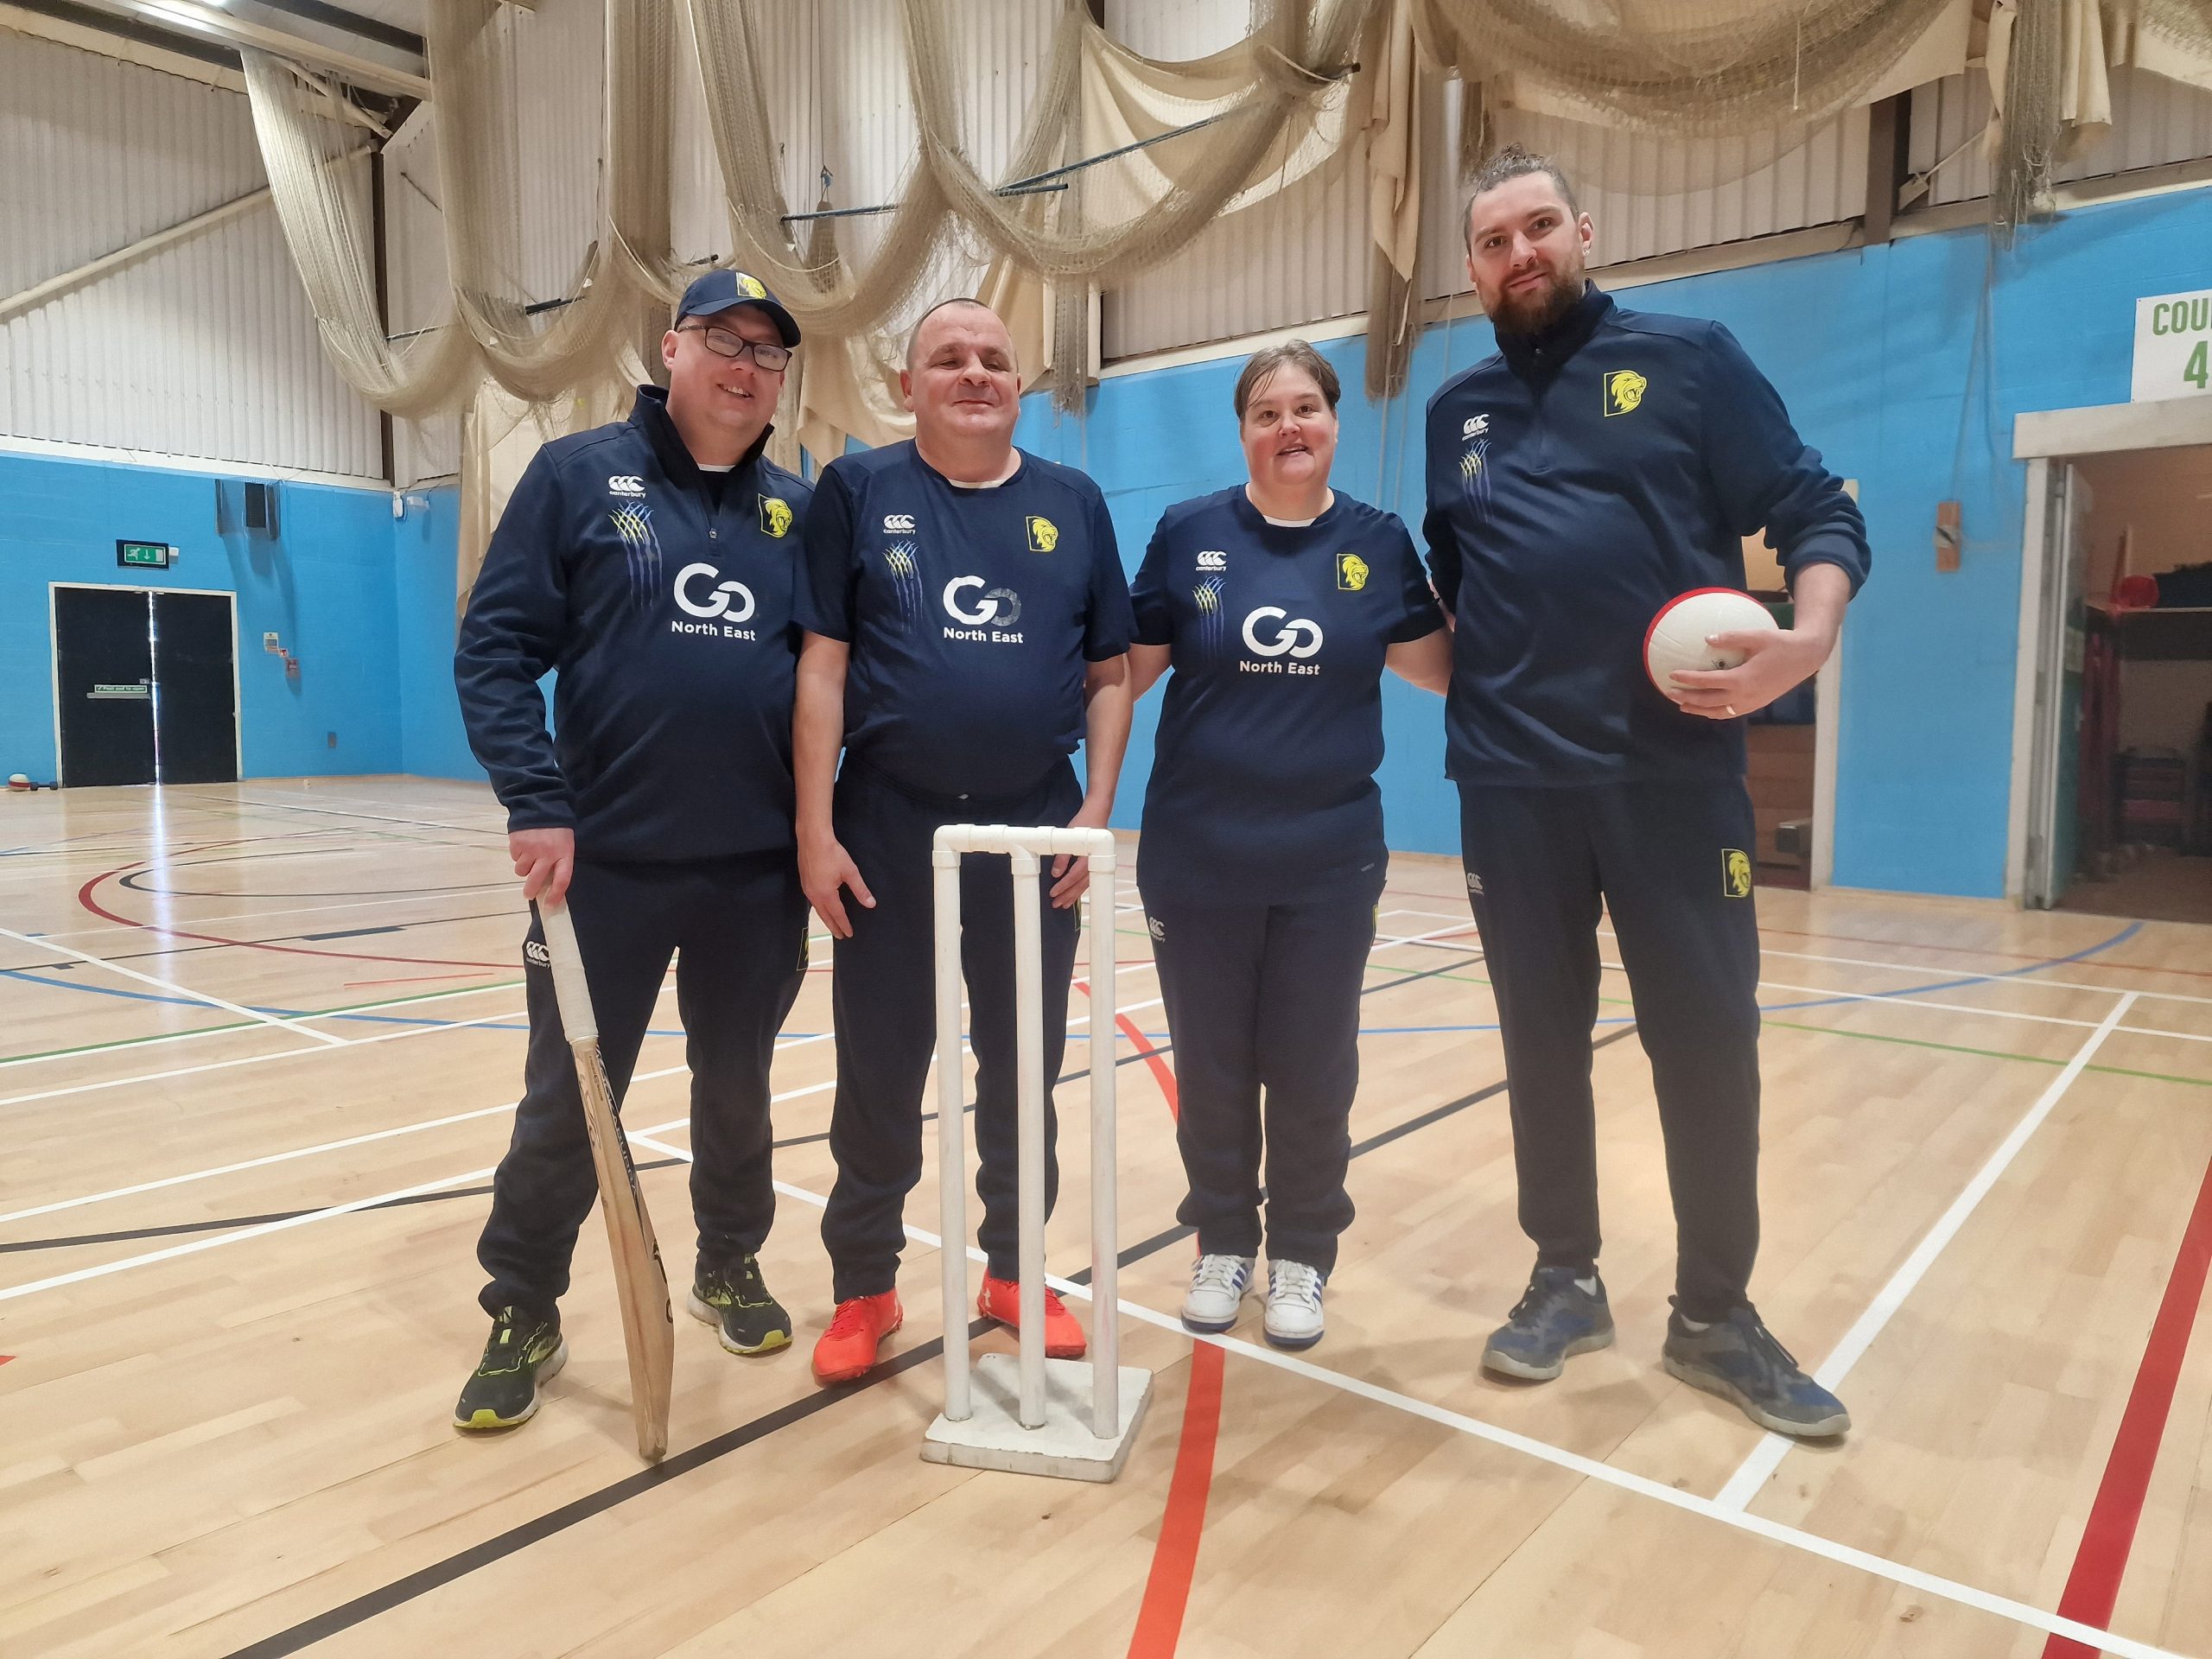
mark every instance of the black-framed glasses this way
{"type": "Point", "coordinates": [724, 342]}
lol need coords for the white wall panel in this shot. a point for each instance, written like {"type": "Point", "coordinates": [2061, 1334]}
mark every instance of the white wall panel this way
{"type": "Point", "coordinates": [1649, 196]}
{"type": "Point", "coordinates": [1299, 257]}
{"type": "Point", "coordinates": [204, 350]}
{"type": "Point", "coordinates": [2154, 121]}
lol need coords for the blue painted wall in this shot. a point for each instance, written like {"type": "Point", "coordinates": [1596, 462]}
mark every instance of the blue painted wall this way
{"type": "Point", "coordinates": [1874, 352]}
{"type": "Point", "coordinates": [323, 583]}
{"type": "Point", "coordinates": [431, 741]}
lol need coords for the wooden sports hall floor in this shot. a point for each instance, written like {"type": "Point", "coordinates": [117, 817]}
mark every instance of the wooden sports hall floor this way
{"type": "Point", "coordinates": [258, 1045]}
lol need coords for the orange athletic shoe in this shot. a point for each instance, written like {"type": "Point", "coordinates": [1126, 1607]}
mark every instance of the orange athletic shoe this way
{"type": "Point", "coordinates": [847, 1349]}
{"type": "Point", "coordinates": [1001, 1301]}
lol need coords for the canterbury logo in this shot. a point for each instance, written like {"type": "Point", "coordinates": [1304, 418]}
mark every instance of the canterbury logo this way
{"type": "Point", "coordinates": [625, 484]}
{"type": "Point", "coordinates": [1476, 426]}
{"type": "Point", "coordinates": [1297, 636]}
{"type": "Point", "coordinates": [1213, 560]}
{"type": "Point", "coordinates": [899, 524]}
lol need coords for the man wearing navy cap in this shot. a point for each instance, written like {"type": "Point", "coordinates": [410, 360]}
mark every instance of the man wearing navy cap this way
{"type": "Point", "coordinates": [967, 625]}
{"type": "Point", "coordinates": [651, 563]}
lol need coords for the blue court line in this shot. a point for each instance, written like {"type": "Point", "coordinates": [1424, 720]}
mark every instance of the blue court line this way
{"type": "Point", "coordinates": [29, 978]}
{"type": "Point", "coordinates": [2120, 938]}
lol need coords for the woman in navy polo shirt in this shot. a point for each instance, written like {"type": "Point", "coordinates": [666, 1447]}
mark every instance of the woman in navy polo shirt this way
{"type": "Point", "coordinates": [1278, 603]}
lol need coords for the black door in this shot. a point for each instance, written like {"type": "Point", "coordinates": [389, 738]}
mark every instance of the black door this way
{"type": "Point", "coordinates": [104, 671]}
{"type": "Point", "coordinates": [195, 709]}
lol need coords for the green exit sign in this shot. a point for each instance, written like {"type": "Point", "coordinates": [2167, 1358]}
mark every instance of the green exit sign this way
{"type": "Point", "coordinates": [155, 554]}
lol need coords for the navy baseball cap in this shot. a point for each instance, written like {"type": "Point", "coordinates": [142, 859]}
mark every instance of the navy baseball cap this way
{"type": "Point", "coordinates": [724, 290]}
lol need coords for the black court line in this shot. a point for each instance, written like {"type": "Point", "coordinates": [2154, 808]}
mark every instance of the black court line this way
{"type": "Point", "coordinates": [186, 950]}
{"type": "Point", "coordinates": [497, 1548]}
{"type": "Point", "coordinates": [175, 1229]}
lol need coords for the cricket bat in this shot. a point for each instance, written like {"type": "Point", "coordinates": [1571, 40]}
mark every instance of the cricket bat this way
{"type": "Point", "coordinates": [648, 1332]}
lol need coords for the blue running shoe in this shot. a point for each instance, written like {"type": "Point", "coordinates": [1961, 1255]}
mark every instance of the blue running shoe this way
{"type": "Point", "coordinates": [1738, 1359]}
{"type": "Point", "coordinates": [1555, 1319]}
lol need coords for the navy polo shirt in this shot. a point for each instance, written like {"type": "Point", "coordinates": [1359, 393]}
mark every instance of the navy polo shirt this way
{"type": "Point", "coordinates": [970, 613]}
{"type": "Point", "coordinates": [1578, 480]}
{"type": "Point", "coordinates": [662, 595]}
{"type": "Point", "coordinates": [1262, 787]}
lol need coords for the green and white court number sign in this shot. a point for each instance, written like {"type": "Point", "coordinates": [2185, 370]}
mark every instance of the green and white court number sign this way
{"type": "Point", "coordinates": [2173, 347]}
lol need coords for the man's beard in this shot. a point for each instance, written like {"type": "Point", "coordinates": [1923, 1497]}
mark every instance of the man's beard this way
{"type": "Point", "coordinates": [1533, 313]}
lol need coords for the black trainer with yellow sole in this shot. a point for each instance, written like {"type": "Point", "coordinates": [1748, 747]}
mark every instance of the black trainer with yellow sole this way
{"type": "Point", "coordinates": [526, 1350]}
{"type": "Point", "coordinates": [734, 1298]}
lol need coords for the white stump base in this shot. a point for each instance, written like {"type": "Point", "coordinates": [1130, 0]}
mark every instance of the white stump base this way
{"type": "Point", "coordinates": [1065, 1448]}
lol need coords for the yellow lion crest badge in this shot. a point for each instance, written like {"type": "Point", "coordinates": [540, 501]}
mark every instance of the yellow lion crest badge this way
{"type": "Point", "coordinates": [1624, 389]}
{"type": "Point", "coordinates": [775, 515]}
{"type": "Point", "coordinates": [750, 287]}
{"type": "Point", "coordinates": [1044, 534]}
{"type": "Point", "coordinates": [1351, 572]}
{"type": "Point", "coordinates": [1735, 873]}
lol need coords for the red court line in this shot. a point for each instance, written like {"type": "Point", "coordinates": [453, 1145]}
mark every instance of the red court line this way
{"type": "Point", "coordinates": [2092, 1587]}
{"type": "Point", "coordinates": [84, 897]}
{"type": "Point", "coordinates": [1182, 1523]}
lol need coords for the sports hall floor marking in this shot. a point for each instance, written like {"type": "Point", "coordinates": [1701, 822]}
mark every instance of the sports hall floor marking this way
{"type": "Point", "coordinates": [208, 997]}
{"type": "Point", "coordinates": [1604, 1472]}
{"type": "Point", "coordinates": [1896, 1573]}
{"type": "Point", "coordinates": [2101, 1559]}
{"type": "Point", "coordinates": [1753, 1474]}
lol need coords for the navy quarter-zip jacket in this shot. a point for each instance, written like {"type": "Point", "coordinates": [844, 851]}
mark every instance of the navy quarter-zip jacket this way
{"type": "Point", "coordinates": [662, 595]}
{"type": "Point", "coordinates": [1579, 480]}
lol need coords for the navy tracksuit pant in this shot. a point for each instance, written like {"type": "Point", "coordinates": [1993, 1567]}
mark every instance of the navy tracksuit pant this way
{"type": "Point", "coordinates": [1262, 1007]}
{"type": "Point", "coordinates": [1671, 864]}
{"type": "Point", "coordinates": [738, 927]}
{"type": "Point", "coordinates": [883, 992]}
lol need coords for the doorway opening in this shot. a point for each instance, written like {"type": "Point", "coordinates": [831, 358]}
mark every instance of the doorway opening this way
{"type": "Point", "coordinates": [145, 685]}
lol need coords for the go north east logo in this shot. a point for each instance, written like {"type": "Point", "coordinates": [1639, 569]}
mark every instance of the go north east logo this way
{"type": "Point", "coordinates": [1044, 534]}
{"type": "Point", "coordinates": [1624, 389]}
{"type": "Point", "coordinates": [1271, 634]}
{"type": "Point", "coordinates": [990, 618]}
{"type": "Point", "coordinates": [720, 606]}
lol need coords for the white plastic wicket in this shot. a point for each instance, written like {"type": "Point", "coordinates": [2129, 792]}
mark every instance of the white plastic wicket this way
{"type": "Point", "coordinates": [1024, 848]}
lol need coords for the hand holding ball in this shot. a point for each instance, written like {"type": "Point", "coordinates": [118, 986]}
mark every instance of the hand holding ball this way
{"type": "Point", "coordinates": [1676, 639]}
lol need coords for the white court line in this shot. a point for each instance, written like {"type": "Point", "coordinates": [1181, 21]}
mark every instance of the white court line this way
{"type": "Point", "coordinates": [1838, 994]}
{"type": "Point", "coordinates": [273, 1158]}
{"type": "Point", "coordinates": [1911, 1578]}
{"type": "Point", "coordinates": [182, 990]}
{"type": "Point", "coordinates": [446, 893]}
{"type": "Point", "coordinates": [228, 1031]}
{"type": "Point", "coordinates": [377, 818]}
{"type": "Point", "coordinates": [2015, 976]}
{"type": "Point", "coordinates": [350, 1141]}
{"type": "Point", "coordinates": [260, 1230]}
{"type": "Point", "coordinates": [781, 1045]}
{"type": "Point", "coordinates": [430, 1030]}
{"type": "Point", "coordinates": [1753, 1473]}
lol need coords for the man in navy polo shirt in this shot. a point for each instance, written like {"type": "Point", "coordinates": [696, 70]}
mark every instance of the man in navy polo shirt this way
{"type": "Point", "coordinates": [651, 564]}
{"type": "Point", "coordinates": [1602, 462]}
{"type": "Point", "coordinates": [967, 625]}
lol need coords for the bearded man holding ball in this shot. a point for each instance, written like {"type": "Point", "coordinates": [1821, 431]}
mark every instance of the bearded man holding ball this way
{"type": "Point", "coordinates": [1602, 464]}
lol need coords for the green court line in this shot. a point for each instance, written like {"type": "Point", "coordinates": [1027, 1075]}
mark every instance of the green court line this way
{"type": "Point", "coordinates": [258, 1025]}
{"type": "Point", "coordinates": [1990, 1053]}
